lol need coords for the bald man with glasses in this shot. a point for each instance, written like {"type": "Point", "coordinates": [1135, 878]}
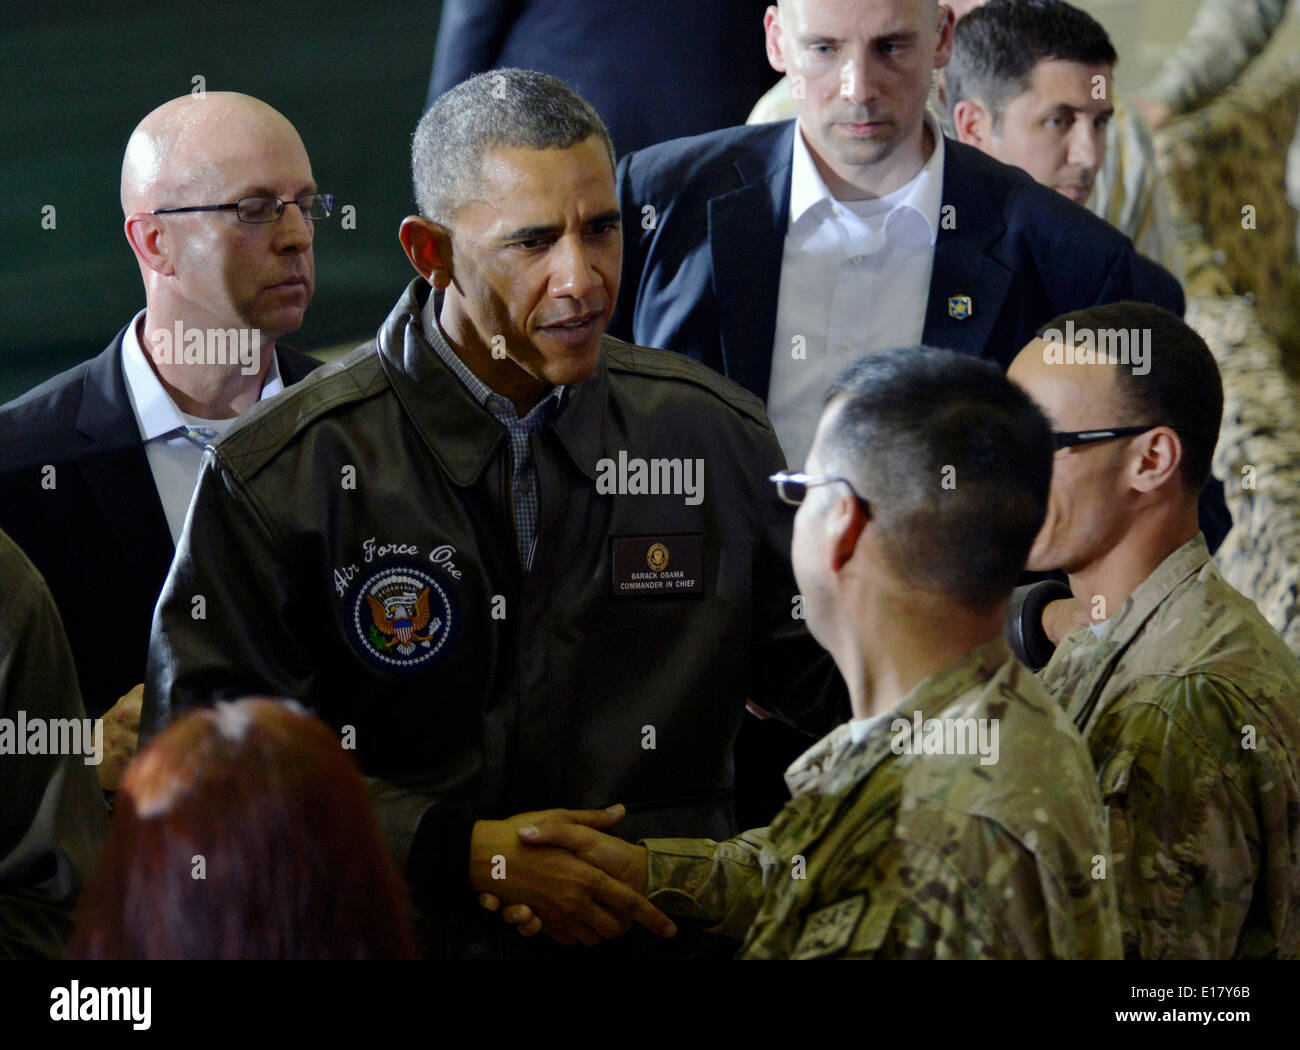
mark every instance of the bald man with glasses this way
{"type": "Point", "coordinates": [97, 465]}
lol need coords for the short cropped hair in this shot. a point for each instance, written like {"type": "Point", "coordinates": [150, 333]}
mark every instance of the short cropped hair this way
{"type": "Point", "coordinates": [997, 46]}
{"type": "Point", "coordinates": [1179, 386]}
{"type": "Point", "coordinates": [956, 462]}
{"type": "Point", "coordinates": [504, 107]}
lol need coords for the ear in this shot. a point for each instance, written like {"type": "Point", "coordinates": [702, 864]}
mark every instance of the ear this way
{"type": "Point", "coordinates": [1157, 460]}
{"type": "Point", "coordinates": [946, 23]}
{"type": "Point", "coordinates": [845, 524]}
{"type": "Point", "coordinates": [149, 241]}
{"type": "Point", "coordinates": [773, 40]}
{"type": "Point", "coordinates": [973, 124]}
{"type": "Point", "coordinates": [428, 245]}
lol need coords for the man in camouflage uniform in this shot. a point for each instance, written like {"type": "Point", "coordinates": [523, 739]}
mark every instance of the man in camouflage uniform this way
{"type": "Point", "coordinates": [1188, 699]}
{"type": "Point", "coordinates": [899, 843]}
{"type": "Point", "coordinates": [1223, 39]}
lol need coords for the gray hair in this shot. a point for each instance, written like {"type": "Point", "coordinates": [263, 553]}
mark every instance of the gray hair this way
{"type": "Point", "coordinates": [504, 107]}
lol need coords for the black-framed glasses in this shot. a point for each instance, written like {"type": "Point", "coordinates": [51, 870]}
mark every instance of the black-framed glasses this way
{"type": "Point", "coordinates": [266, 209]}
{"type": "Point", "coordinates": [1071, 438]}
{"type": "Point", "coordinates": [792, 488]}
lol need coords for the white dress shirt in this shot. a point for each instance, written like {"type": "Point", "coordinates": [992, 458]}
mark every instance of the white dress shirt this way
{"type": "Point", "coordinates": [855, 278]}
{"type": "Point", "coordinates": [173, 440]}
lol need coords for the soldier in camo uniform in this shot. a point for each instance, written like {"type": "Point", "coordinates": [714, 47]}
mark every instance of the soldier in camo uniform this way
{"type": "Point", "coordinates": [1223, 39]}
{"type": "Point", "coordinates": [901, 840]}
{"type": "Point", "coordinates": [1188, 699]}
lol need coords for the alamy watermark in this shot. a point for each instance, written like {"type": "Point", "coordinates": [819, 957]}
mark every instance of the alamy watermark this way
{"type": "Point", "coordinates": [946, 736]}
{"type": "Point", "coordinates": [1098, 346]}
{"type": "Point", "coordinates": [93, 1003]}
{"type": "Point", "coordinates": [208, 346]}
{"type": "Point", "coordinates": [53, 736]}
{"type": "Point", "coordinates": [651, 477]}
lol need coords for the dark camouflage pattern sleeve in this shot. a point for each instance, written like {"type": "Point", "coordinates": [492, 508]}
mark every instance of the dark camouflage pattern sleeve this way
{"type": "Point", "coordinates": [719, 883]}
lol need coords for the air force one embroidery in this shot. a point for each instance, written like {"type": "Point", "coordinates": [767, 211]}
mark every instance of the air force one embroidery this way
{"type": "Point", "coordinates": [401, 617]}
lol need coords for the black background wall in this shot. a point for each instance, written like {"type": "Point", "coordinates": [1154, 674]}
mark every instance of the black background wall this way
{"type": "Point", "coordinates": [76, 79]}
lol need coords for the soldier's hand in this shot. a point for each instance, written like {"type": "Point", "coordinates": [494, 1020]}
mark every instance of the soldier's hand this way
{"type": "Point", "coordinates": [626, 862]}
{"type": "Point", "coordinates": [571, 898]}
{"type": "Point", "coordinates": [121, 737]}
{"type": "Point", "coordinates": [1063, 616]}
{"type": "Point", "coordinates": [1157, 113]}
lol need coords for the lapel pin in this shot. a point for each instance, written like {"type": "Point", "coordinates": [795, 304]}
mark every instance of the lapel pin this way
{"type": "Point", "coordinates": [959, 307]}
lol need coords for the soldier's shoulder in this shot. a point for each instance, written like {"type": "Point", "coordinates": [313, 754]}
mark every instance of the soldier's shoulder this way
{"type": "Point", "coordinates": [1029, 770]}
{"type": "Point", "coordinates": [634, 366]}
{"type": "Point", "coordinates": [267, 428]}
{"type": "Point", "coordinates": [1210, 634]}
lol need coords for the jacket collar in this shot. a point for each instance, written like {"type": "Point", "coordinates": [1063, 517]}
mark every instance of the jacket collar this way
{"type": "Point", "coordinates": [927, 699]}
{"type": "Point", "coordinates": [965, 268]}
{"type": "Point", "coordinates": [461, 434]}
{"type": "Point", "coordinates": [105, 411]}
{"type": "Point", "coordinates": [1083, 663]}
{"type": "Point", "coordinates": [1152, 592]}
{"type": "Point", "coordinates": [744, 263]}
{"type": "Point", "coordinates": [828, 769]}
{"type": "Point", "coordinates": [116, 471]}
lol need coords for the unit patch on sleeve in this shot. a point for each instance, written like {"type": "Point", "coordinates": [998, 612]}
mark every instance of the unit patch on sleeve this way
{"type": "Point", "coordinates": [830, 929]}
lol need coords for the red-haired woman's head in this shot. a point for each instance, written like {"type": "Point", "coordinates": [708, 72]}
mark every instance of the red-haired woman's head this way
{"type": "Point", "coordinates": [244, 831]}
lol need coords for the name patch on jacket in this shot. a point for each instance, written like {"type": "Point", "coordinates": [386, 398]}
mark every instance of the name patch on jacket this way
{"type": "Point", "coordinates": [658, 565]}
{"type": "Point", "coordinates": [399, 613]}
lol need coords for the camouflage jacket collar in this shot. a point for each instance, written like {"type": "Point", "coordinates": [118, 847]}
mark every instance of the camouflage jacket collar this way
{"type": "Point", "coordinates": [1152, 592]}
{"type": "Point", "coordinates": [1083, 663]}
{"type": "Point", "coordinates": [834, 761]}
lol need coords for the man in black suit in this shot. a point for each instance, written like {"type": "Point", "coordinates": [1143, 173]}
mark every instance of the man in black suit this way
{"type": "Point", "coordinates": [779, 253]}
{"type": "Point", "coordinates": [719, 265]}
{"type": "Point", "coordinates": [654, 69]}
{"type": "Point", "coordinates": [97, 465]}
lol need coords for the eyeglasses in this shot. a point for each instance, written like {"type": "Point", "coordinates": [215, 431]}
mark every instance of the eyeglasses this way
{"type": "Point", "coordinates": [266, 209]}
{"type": "Point", "coordinates": [793, 487]}
{"type": "Point", "coordinates": [1071, 438]}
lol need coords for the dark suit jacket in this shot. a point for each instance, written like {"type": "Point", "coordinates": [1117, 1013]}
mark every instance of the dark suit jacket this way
{"type": "Point", "coordinates": [702, 272]}
{"type": "Point", "coordinates": [653, 69]}
{"type": "Point", "coordinates": [94, 526]}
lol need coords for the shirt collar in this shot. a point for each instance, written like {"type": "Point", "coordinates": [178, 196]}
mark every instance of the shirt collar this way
{"type": "Point", "coordinates": [924, 192]}
{"type": "Point", "coordinates": [155, 411]}
{"type": "Point", "coordinates": [479, 390]}
{"type": "Point", "coordinates": [1151, 593]}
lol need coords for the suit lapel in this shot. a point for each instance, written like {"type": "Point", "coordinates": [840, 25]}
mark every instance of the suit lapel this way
{"type": "Point", "coordinates": [965, 273]}
{"type": "Point", "coordinates": [116, 471]}
{"type": "Point", "coordinates": [746, 240]}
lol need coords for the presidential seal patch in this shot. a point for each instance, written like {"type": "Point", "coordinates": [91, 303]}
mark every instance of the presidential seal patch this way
{"type": "Point", "coordinates": [400, 617]}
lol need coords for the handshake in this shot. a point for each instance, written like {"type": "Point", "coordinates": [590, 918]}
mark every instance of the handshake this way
{"type": "Point", "coordinates": [556, 870]}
